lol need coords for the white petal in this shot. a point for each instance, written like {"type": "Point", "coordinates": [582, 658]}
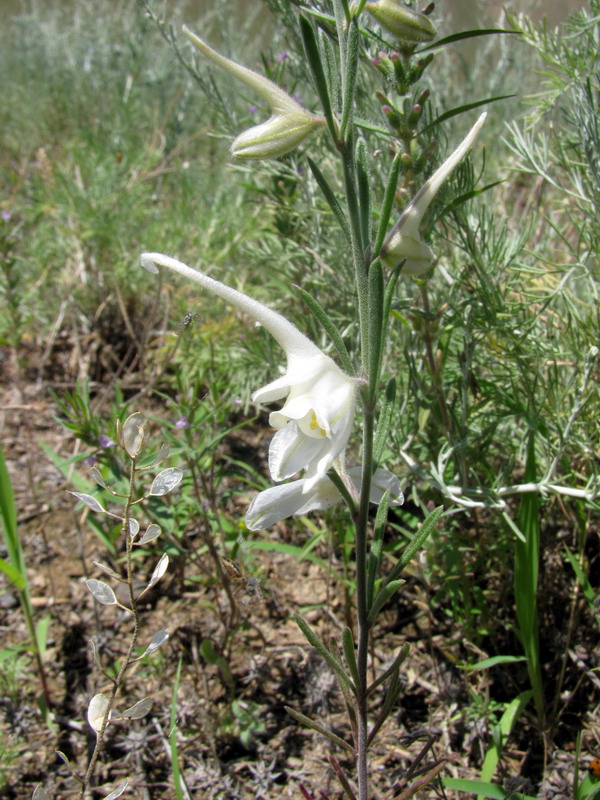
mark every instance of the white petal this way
{"type": "Point", "coordinates": [290, 451]}
{"type": "Point", "coordinates": [381, 481]}
{"type": "Point", "coordinates": [274, 504]}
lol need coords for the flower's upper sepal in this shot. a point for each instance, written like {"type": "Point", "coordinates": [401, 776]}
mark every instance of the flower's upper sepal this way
{"type": "Point", "coordinates": [402, 22]}
{"type": "Point", "coordinates": [404, 240]}
{"type": "Point", "coordinates": [289, 123]}
{"type": "Point", "coordinates": [317, 417]}
{"type": "Point", "coordinates": [293, 500]}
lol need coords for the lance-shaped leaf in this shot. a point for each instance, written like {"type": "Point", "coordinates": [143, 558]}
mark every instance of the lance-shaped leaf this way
{"type": "Point", "coordinates": [384, 594]}
{"type": "Point", "coordinates": [316, 726]}
{"type": "Point", "coordinates": [332, 660]}
{"type": "Point", "coordinates": [107, 570]}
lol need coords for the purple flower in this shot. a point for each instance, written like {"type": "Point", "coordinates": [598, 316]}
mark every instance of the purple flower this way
{"type": "Point", "coordinates": [282, 56]}
{"type": "Point", "coordinates": [104, 442]}
{"type": "Point", "coordinates": [183, 422]}
{"type": "Point", "coordinates": [252, 109]}
{"type": "Point", "coordinates": [5, 215]}
{"type": "Point", "coordinates": [90, 461]}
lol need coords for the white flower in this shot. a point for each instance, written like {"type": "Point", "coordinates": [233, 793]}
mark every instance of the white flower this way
{"type": "Point", "coordinates": [404, 240]}
{"type": "Point", "coordinates": [288, 124]}
{"type": "Point", "coordinates": [317, 417]}
{"type": "Point", "coordinates": [291, 499]}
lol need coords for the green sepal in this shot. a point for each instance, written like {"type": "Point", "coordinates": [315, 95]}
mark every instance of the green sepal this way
{"type": "Point", "coordinates": [329, 328]}
{"type": "Point", "coordinates": [311, 48]}
{"type": "Point", "coordinates": [332, 660]}
{"type": "Point", "coordinates": [377, 544]}
{"type": "Point", "coordinates": [383, 595]}
{"type": "Point", "coordinates": [385, 420]}
{"type": "Point", "coordinates": [388, 202]}
{"type": "Point", "coordinates": [316, 726]}
{"type": "Point", "coordinates": [376, 305]}
{"type": "Point", "coordinates": [350, 654]}
{"type": "Point", "coordinates": [332, 200]}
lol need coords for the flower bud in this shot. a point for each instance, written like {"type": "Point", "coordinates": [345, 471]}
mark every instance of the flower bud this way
{"type": "Point", "coordinates": [403, 242]}
{"type": "Point", "coordinates": [289, 123]}
{"type": "Point", "coordinates": [402, 22]}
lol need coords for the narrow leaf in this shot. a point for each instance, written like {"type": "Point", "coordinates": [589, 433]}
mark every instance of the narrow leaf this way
{"type": "Point", "coordinates": [333, 662]}
{"type": "Point", "coordinates": [377, 544]}
{"type": "Point", "coordinates": [417, 543]}
{"type": "Point", "coordinates": [388, 202]}
{"type": "Point", "coordinates": [332, 200]}
{"type": "Point", "coordinates": [375, 306]}
{"type": "Point", "coordinates": [385, 420]}
{"type": "Point", "coordinates": [313, 56]}
{"type": "Point", "coordinates": [395, 666]}
{"type": "Point", "coordinates": [384, 594]}
{"type": "Point", "coordinates": [310, 723]}
{"type": "Point", "coordinates": [364, 188]}
{"type": "Point", "coordinates": [457, 37]}
{"type": "Point", "coordinates": [453, 112]}
{"type": "Point", "coordinates": [166, 481]}
{"type": "Point", "coordinates": [325, 320]}
{"type": "Point", "coordinates": [89, 501]}
{"type": "Point", "coordinates": [102, 592]}
{"type": "Point", "coordinates": [350, 654]}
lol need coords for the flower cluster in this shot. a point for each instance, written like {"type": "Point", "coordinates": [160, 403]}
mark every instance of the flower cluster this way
{"type": "Point", "coordinates": [315, 422]}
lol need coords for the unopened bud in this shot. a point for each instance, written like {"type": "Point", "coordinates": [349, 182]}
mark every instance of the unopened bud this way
{"type": "Point", "coordinates": [414, 115]}
{"type": "Point", "coordinates": [402, 22]}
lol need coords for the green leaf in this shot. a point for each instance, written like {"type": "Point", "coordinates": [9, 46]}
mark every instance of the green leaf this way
{"type": "Point", "coordinates": [316, 726]}
{"type": "Point", "coordinates": [461, 35]}
{"type": "Point", "coordinates": [504, 728]}
{"type": "Point", "coordinates": [325, 321]}
{"type": "Point", "coordinates": [384, 594]}
{"type": "Point", "coordinates": [453, 112]}
{"type": "Point", "coordinates": [349, 79]}
{"type": "Point", "coordinates": [332, 660]}
{"type": "Point", "coordinates": [332, 200]}
{"type": "Point", "coordinates": [385, 420]}
{"type": "Point", "coordinates": [311, 48]}
{"type": "Point", "coordinates": [388, 202]}
{"type": "Point", "coordinates": [482, 788]}
{"type": "Point", "coordinates": [364, 188]}
{"type": "Point", "coordinates": [494, 661]}
{"type": "Point", "coordinates": [417, 543]}
{"type": "Point", "coordinates": [375, 311]}
{"type": "Point", "coordinates": [350, 654]}
{"type": "Point", "coordinates": [14, 575]}
{"type": "Point", "coordinates": [377, 545]}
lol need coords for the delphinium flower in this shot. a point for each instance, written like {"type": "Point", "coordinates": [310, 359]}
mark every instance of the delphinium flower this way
{"type": "Point", "coordinates": [316, 419]}
{"type": "Point", "coordinates": [288, 124]}
{"type": "Point", "coordinates": [404, 240]}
